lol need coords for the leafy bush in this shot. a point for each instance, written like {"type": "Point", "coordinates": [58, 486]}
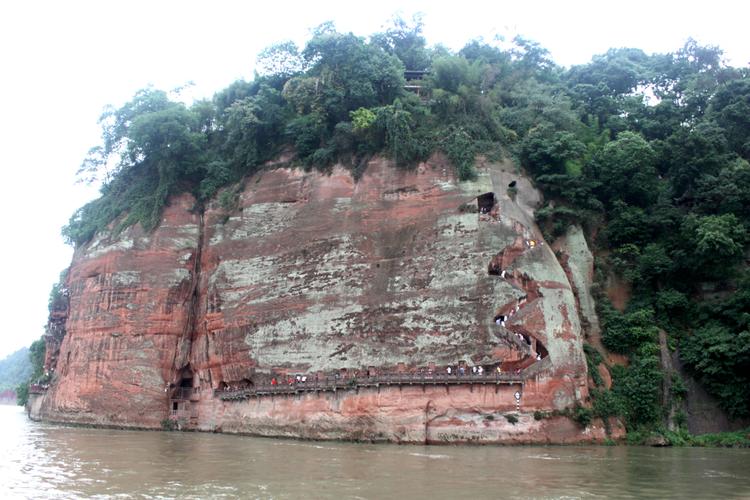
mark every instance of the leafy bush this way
{"type": "Point", "coordinates": [547, 151]}
{"type": "Point", "coordinates": [22, 394]}
{"type": "Point", "coordinates": [582, 416]}
{"type": "Point", "coordinates": [459, 148]}
{"type": "Point", "coordinates": [737, 439]}
{"type": "Point", "coordinates": [606, 404]}
{"type": "Point", "coordinates": [721, 359]}
{"type": "Point", "coordinates": [714, 243]}
{"type": "Point", "coordinates": [593, 360]}
{"type": "Point", "coordinates": [624, 332]}
{"type": "Point", "coordinates": [638, 387]}
{"type": "Point", "coordinates": [362, 119]}
{"type": "Point", "coordinates": [307, 133]}
{"type": "Point", "coordinates": [169, 424]}
{"type": "Point", "coordinates": [36, 353]}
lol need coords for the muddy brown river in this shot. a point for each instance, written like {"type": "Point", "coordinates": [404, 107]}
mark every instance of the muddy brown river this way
{"type": "Point", "coordinates": [52, 461]}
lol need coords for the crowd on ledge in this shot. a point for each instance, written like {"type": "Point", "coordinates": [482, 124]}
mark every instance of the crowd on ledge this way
{"type": "Point", "coordinates": [351, 377]}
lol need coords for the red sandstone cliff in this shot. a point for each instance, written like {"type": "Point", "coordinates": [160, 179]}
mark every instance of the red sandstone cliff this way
{"type": "Point", "coordinates": [319, 275]}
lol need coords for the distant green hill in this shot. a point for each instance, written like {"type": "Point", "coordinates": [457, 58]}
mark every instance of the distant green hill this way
{"type": "Point", "coordinates": [15, 369]}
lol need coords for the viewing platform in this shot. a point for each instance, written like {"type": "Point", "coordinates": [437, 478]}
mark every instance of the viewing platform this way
{"type": "Point", "coordinates": [37, 388]}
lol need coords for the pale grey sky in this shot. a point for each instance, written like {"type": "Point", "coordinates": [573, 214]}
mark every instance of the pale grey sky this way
{"type": "Point", "coordinates": [62, 62]}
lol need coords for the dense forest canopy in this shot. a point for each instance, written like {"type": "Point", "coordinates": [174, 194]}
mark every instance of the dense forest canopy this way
{"type": "Point", "coordinates": [648, 152]}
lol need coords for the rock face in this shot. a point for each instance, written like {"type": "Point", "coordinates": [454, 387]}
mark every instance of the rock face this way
{"type": "Point", "coordinates": [127, 323]}
{"type": "Point", "coordinates": [402, 273]}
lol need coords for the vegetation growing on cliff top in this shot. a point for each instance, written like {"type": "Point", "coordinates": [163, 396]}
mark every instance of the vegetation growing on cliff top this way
{"type": "Point", "coordinates": [341, 98]}
{"type": "Point", "coordinates": [649, 152]}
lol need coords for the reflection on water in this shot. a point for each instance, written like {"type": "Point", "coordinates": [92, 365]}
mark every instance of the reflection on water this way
{"type": "Point", "coordinates": [50, 461]}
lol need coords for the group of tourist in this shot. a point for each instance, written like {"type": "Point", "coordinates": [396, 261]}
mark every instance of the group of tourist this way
{"type": "Point", "coordinates": [477, 370]}
{"type": "Point", "coordinates": [459, 370]}
{"type": "Point", "coordinates": [500, 319]}
{"type": "Point", "coordinates": [297, 379]}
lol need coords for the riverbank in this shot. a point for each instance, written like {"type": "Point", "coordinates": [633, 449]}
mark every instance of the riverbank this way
{"type": "Point", "coordinates": [40, 460]}
{"type": "Point", "coordinates": [682, 438]}
{"type": "Point", "coordinates": [659, 438]}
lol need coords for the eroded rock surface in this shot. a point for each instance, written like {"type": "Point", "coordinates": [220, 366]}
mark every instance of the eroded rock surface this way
{"type": "Point", "coordinates": [316, 274]}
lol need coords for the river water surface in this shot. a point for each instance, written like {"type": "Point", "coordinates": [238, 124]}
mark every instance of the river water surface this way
{"type": "Point", "coordinates": [52, 461]}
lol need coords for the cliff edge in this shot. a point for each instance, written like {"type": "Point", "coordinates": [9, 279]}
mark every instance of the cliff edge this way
{"type": "Point", "coordinates": [406, 306]}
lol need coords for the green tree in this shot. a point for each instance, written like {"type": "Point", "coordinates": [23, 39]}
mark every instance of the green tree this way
{"type": "Point", "coordinates": [253, 130]}
{"type": "Point", "coordinates": [713, 243]}
{"type": "Point", "coordinates": [626, 169]}
{"type": "Point", "coordinates": [628, 224]}
{"type": "Point", "coordinates": [37, 352]}
{"type": "Point", "coordinates": [281, 60]}
{"type": "Point", "coordinates": [639, 387]}
{"type": "Point", "coordinates": [730, 106]}
{"type": "Point", "coordinates": [721, 359]}
{"type": "Point", "coordinates": [157, 149]}
{"type": "Point", "coordinates": [654, 262]}
{"type": "Point", "coordinates": [362, 118]}
{"type": "Point", "coordinates": [351, 74]}
{"type": "Point", "coordinates": [460, 149]}
{"type": "Point", "coordinates": [404, 40]}
{"type": "Point", "coordinates": [399, 140]}
{"type": "Point", "coordinates": [546, 151]}
{"type": "Point", "coordinates": [624, 333]}
{"type": "Point", "coordinates": [689, 154]}
{"type": "Point", "coordinates": [726, 192]}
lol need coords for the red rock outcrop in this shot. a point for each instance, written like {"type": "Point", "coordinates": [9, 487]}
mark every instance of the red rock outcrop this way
{"type": "Point", "coordinates": [318, 274]}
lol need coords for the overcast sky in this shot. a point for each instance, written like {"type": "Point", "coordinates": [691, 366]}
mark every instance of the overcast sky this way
{"type": "Point", "coordinates": [62, 61]}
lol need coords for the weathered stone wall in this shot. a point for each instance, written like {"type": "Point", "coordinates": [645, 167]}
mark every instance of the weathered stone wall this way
{"type": "Point", "coordinates": [317, 273]}
{"type": "Point", "coordinates": [126, 323]}
{"type": "Point", "coordinates": [34, 406]}
{"type": "Point", "coordinates": [482, 414]}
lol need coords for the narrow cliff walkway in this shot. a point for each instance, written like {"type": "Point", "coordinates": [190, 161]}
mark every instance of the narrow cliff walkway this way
{"type": "Point", "coordinates": [334, 384]}
{"type": "Point", "coordinates": [500, 266]}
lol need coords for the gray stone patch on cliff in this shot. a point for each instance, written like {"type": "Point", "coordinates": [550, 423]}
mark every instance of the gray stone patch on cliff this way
{"type": "Point", "coordinates": [504, 293]}
{"type": "Point", "coordinates": [125, 278]}
{"type": "Point", "coordinates": [185, 237]}
{"type": "Point", "coordinates": [446, 185]}
{"type": "Point", "coordinates": [177, 276]}
{"type": "Point", "coordinates": [102, 246]}
{"type": "Point", "coordinates": [234, 277]}
{"type": "Point", "coordinates": [541, 265]}
{"type": "Point", "coordinates": [264, 219]}
{"type": "Point", "coordinates": [556, 312]}
{"type": "Point", "coordinates": [580, 264]}
{"type": "Point", "coordinates": [342, 205]}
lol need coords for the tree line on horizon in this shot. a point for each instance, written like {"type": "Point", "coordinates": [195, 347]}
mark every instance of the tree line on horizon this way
{"type": "Point", "coordinates": [649, 153]}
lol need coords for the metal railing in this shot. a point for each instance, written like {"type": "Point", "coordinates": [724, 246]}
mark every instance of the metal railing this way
{"type": "Point", "coordinates": [333, 383]}
{"type": "Point", "coordinates": [184, 393]}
